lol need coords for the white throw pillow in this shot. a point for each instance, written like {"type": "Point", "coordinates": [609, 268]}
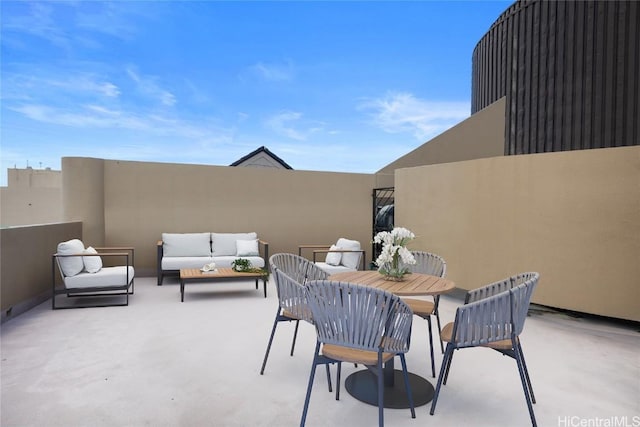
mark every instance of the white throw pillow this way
{"type": "Point", "coordinates": [186, 244]}
{"type": "Point", "coordinates": [247, 248]}
{"type": "Point", "coordinates": [350, 260]}
{"type": "Point", "coordinates": [71, 266]}
{"type": "Point", "coordinates": [334, 258]}
{"type": "Point", "coordinates": [92, 264]}
{"type": "Point", "coordinates": [224, 244]}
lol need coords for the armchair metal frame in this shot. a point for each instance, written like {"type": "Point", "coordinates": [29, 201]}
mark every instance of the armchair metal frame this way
{"type": "Point", "coordinates": [325, 249]}
{"type": "Point", "coordinates": [126, 289]}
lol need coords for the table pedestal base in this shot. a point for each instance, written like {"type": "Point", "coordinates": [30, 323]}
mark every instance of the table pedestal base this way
{"type": "Point", "coordinates": [363, 385]}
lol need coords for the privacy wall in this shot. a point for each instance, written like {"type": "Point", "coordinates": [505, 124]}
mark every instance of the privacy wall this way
{"type": "Point", "coordinates": [133, 203]}
{"type": "Point", "coordinates": [571, 216]}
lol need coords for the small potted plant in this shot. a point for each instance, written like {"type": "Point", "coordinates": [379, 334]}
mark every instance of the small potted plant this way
{"type": "Point", "coordinates": [243, 265]}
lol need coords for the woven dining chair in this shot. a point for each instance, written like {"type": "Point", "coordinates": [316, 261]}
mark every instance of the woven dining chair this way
{"type": "Point", "coordinates": [358, 324]}
{"type": "Point", "coordinates": [493, 318]}
{"type": "Point", "coordinates": [292, 305]}
{"type": "Point", "coordinates": [435, 265]}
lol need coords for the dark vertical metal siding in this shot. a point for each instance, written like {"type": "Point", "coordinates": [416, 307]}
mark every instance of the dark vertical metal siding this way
{"type": "Point", "coordinates": [570, 72]}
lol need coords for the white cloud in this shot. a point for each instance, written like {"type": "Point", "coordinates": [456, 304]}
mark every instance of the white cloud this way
{"type": "Point", "coordinates": [288, 124]}
{"type": "Point", "coordinates": [404, 113]}
{"type": "Point", "coordinates": [99, 117]}
{"type": "Point", "coordinates": [147, 86]}
{"type": "Point", "coordinates": [273, 72]}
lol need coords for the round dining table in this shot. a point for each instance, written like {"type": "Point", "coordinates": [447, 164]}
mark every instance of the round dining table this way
{"type": "Point", "coordinates": [362, 384]}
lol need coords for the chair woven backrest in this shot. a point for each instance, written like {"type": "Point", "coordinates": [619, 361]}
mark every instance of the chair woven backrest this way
{"type": "Point", "coordinates": [521, 300]}
{"type": "Point", "coordinates": [298, 268]}
{"type": "Point", "coordinates": [428, 263]}
{"type": "Point", "coordinates": [497, 287]}
{"type": "Point", "coordinates": [291, 295]}
{"type": "Point", "coordinates": [359, 317]}
{"type": "Point", "coordinates": [497, 317]}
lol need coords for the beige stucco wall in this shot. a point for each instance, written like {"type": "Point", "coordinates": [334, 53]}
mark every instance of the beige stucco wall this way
{"type": "Point", "coordinates": [479, 136]}
{"type": "Point", "coordinates": [572, 216]}
{"type": "Point", "coordinates": [83, 196]}
{"type": "Point", "coordinates": [25, 261]}
{"type": "Point", "coordinates": [134, 202]}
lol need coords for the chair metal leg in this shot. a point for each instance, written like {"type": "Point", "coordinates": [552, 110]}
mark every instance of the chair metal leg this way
{"type": "Point", "coordinates": [310, 386]}
{"type": "Point", "coordinates": [295, 335]}
{"type": "Point", "coordinates": [446, 374]}
{"type": "Point", "coordinates": [524, 384]}
{"type": "Point", "coordinates": [380, 391]}
{"type": "Point", "coordinates": [273, 332]}
{"type": "Point", "coordinates": [433, 364]}
{"type": "Point", "coordinates": [329, 378]}
{"type": "Point", "coordinates": [407, 385]}
{"type": "Point", "coordinates": [337, 380]}
{"type": "Point", "coordinates": [440, 332]}
{"type": "Point", "coordinates": [526, 373]}
{"type": "Point", "coordinates": [444, 370]}
{"type": "Point", "coordinates": [436, 312]}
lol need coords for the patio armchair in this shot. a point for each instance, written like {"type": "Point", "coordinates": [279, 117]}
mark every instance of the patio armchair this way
{"type": "Point", "coordinates": [358, 324]}
{"type": "Point", "coordinates": [495, 319]}
{"type": "Point", "coordinates": [83, 274]}
{"type": "Point", "coordinates": [428, 263]}
{"type": "Point", "coordinates": [292, 305]}
{"type": "Point", "coordinates": [345, 255]}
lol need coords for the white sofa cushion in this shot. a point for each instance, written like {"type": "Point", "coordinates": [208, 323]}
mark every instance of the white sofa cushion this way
{"type": "Point", "coordinates": [186, 244]}
{"type": "Point", "coordinates": [333, 258]}
{"type": "Point", "coordinates": [225, 243]}
{"type": "Point", "coordinates": [245, 248]}
{"type": "Point", "coordinates": [108, 276]}
{"type": "Point", "coordinates": [350, 260]}
{"type": "Point", "coordinates": [92, 264]}
{"type": "Point", "coordinates": [71, 266]}
{"type": "Point", "coordinates": [178, 262]}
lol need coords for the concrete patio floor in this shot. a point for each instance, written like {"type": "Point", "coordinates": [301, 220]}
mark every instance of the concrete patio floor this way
{"type": "Point", "coordinates": [159, 362]}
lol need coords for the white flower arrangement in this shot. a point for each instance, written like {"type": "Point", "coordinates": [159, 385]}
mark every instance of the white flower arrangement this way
{"type": "Point", "coordinates": [394, 256]}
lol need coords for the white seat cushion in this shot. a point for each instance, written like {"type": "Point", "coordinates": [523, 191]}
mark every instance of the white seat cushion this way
{"type": "Point", "coordinates": [350, 260]}
{"type": "Point", "coordinates": [333, 269]}
{"type": "Point", "coordinates": [71, 266]}
{"type": "Point", "coordinates": [225, 243]}
{"type": "Point", "coordinates": [107, 276]}
{"type": "Point", "coordinates": [186, 244]}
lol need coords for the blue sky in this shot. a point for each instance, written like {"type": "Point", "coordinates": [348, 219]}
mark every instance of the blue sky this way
{"type": "Point", "coordinates": [337, 86]}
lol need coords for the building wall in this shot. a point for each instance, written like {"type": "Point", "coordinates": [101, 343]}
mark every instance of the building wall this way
{"type": "Point", "coordinates": [571, 216]}
{"type": "Point", "coordinates": [32, 196]}
{"type": "Point", "coordinates": [133, 203]}
{"type": "Point", "coordinates": [479, 136]}
{"type": "Point", "coordinates": [569, 71]}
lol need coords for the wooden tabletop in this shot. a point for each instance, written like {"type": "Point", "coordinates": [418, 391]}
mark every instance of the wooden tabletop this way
{"type": "Point", "coordinates": [412, 285]}
{"type": "Point", "coordinates": [196, 273]}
